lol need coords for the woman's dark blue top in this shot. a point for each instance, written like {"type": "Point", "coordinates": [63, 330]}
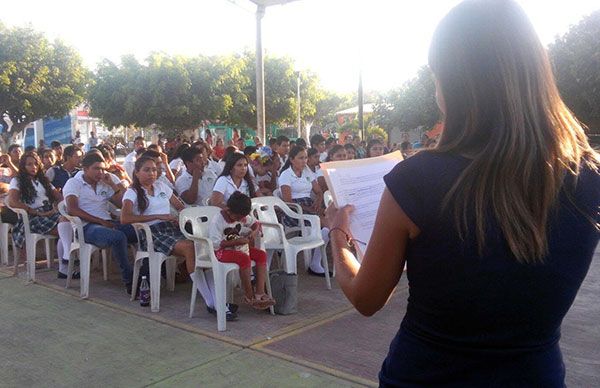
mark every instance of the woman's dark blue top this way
{"type": "Point", "coordinates": [484, 320]}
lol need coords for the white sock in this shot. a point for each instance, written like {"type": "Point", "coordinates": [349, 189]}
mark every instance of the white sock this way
{"type": "Point", "coordinates": [315, 262]}
{"type": "Point", "coordinates": [210, 284]}
{"type": "Point", "coordinates": [65, 233]}
{"type": "Point", "coordinates": [62, 266]}
{"type": "Point", "coordinates": [204, 290]}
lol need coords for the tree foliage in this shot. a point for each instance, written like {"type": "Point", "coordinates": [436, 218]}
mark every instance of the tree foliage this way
{"type": "Point", "coordinates": [182, 92]}
{"type": "Point", "coordinates": [576, 60]}
{"type": "Point", "coordinates": [38, 78]}
{"type": "Point", "coordinates": [409, 106]}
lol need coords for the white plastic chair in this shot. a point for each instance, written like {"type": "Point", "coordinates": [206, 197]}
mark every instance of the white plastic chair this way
{"type": "Point", "coordinates": [199, 218]}
{"type": "Point", "coordinates": [155, 260]}
{"type": "Point", "coordinates": [327, 198]}
{"type": "Point", "coordinates": [274, 236]}
{"type": "Point", "coordinates": [31, 240]}
{"type": "Point", "coordinates": [85, 254]}
{"type": "Point", "coordinates": [5, 228]}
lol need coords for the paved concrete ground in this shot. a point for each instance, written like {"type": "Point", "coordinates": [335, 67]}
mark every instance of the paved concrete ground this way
{"type": "Point", "coordinates": [49, 337]}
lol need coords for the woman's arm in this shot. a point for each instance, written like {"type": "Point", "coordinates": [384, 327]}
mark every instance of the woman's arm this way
{"type": "Point", "coordinates": [168, 172]}
{"type": "Point", "coordinates": [73, 209]}
{"type": "Point", "coordinates": [217, 199]}
{"type": "Point", "coordinates": [127, 216]}
{"type": "Point", "coordinates": [318, 203]}
{"type": "Point", "coordinates": [369, 285]}
{"type": "Point", "coordinates": [176, 202]}
{"type": "Point", "coordinates": [14, 201]}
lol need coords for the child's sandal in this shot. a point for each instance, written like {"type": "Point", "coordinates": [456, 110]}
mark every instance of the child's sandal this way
{"type": "Point", "coordinates": [265, 298]}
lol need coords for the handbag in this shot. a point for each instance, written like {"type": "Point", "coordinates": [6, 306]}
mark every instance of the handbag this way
{"type": "Point", "coordinates": [284, 289]}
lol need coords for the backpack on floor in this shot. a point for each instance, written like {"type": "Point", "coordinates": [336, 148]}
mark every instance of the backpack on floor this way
{"type": "Point", "coordinates": [284, 287]}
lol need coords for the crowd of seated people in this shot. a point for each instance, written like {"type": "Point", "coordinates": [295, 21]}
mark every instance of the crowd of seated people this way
{"type": "Point", "coordinates": [152, 180]}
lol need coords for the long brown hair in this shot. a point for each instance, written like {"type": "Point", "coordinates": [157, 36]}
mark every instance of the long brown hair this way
{"type": "Point", "coordinates": [142, 199]}
{"type": "Point", "coordinates": [503, 110]}
{"type": "Point", "coordinates": [26, 188]}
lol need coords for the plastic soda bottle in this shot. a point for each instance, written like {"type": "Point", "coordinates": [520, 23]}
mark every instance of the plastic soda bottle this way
{"type": "Point", "coordinates": [144, 292]}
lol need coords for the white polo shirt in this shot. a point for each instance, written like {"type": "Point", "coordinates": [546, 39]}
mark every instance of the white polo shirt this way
{"type": "Point", "coordinates": [159, 203]}
{"type": "Point", "coordinates": [177, 166]}
{"type": "Point", "coordinates": [301, 186]}
{"type": "Point", "coordinates": [129, 163]}
{"type": "Point", "coordinates": [226, 186]}
{"type": "Point", "coordinates": [40, 192]}
{"type": "Point", "coordinates": [205, 185]}
{"type": "Point", "coordinates": [90, 201]}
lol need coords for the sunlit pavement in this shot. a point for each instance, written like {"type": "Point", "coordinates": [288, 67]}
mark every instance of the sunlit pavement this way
{"type": "Point", "coordinates": [50, 337]}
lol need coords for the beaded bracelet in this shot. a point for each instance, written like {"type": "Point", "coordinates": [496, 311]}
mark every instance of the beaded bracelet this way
{"type": "Point", "coordinates": [349, 239]}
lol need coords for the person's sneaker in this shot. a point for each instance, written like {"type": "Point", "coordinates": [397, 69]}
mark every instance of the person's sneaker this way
{"type": "Point", "coordinates": [76, 275]}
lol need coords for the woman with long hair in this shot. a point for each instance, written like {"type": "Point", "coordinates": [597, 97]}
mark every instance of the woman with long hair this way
{"type": "Point", "coordinates": [149, 200]}
{"type": "Point", "coordinates": [235, 177]}
{"type": "Point", "coordinates": [298, 184]}
{"type": "Point", "coordinates": [497, 225]}
{"type": "Point", "coordinates": [31, 191]}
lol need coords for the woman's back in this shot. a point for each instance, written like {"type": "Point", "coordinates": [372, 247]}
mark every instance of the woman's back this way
{"type": "Point", "coordinates": [470, 315]}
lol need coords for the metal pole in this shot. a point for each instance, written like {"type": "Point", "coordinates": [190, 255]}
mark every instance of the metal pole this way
{"type": "Point", "coordinates": [298, 108]}
{"type": "Point", "coordinates": [260, 77]}
{"type": "Point", "coordinates": [361, 124]}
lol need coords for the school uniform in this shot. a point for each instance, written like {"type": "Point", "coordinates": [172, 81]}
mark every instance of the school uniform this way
{"type": "Point", "coordinates": [95, 203]}
{"type": "Point", "coordinates": [37, 224]}
{"type": "Point", "coordinates": [226, 186]}
{"type": "Point", "coordinates": [165, 234]}
{"type": "Point", "coordinates": [301, 188]}
{"type": "Point", "coordinates": [129, 163]}
{"type": "Point", "coordinates": [205, 185]}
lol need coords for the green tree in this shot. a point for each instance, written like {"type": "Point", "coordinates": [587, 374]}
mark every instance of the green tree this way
{"type": "Point", "coordinates": [38, 78]}
{"type": "Point", "coordinates": [410, 106]}
{"type": "Point", "coordinates": [576, 60]}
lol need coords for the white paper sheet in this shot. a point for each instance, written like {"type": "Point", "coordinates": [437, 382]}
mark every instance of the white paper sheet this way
{"type": "Point", "coordinates": [360, 183]}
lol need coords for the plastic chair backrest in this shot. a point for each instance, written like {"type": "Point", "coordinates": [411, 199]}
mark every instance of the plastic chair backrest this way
{"type": "Point", "coordinates": [199, 218]}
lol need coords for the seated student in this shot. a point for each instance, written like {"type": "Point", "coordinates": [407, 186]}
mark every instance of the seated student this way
{"type": "Point", "coordinates": [350, 151]}
{"type": "Point", "coordinates": [195, 185]}
{"type": "Point", "coordinates": [58, 150]}
{"type": "Point", "coordinates": [235, 177]}
{"type": "Point", "coordinates": [149, 200]}
{"type": "Point", "coordinates": [212, 164]}
{"type": "Point", "coordinates": [31, 191]}
{"type": "Point", "coordinates": [164, 173]}
{"type": "Point", "coordinates": [129, 162]}
{"type": "Point", "coordinates": [232, 233]}
{"type": "Point", "coordinates": [10, 163]}
{"type": "Point", "coordinates": [48, 158]}
{"type": "Point", "coordinates": [60, 174]}
{"type": "Point", "coordinates": [87, 195]}
{"type": "Point", "coordinates": [317, 141]}
{"type": "Point", "coordinates": [113, 167]}
{"type": "Point", "coordinates": [375, 148]}
{"type": "Point", "coordinates": [266, 173]}
{"type": "Point", "coordinates": [177, 165]}
{"type": "Point", "coordinates": [297, 182]}
{"type": "Point", "coordinates": [335, 154]}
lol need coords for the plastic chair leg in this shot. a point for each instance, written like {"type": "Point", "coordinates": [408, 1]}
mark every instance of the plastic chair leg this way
{"type": "Point", "coordinates": [220, 291]}
{"type": "Point", "coordinates": [193, 297]}
{"type": "Point", "coordinates": [325, 265]}
{"type": "Point", "coordinates": [104, 264]}
{"type": "Point", "coordinates": [155, 265]}
{"type": "Point", "coordinates": [70, 270]}
{"type": "Point", "coordinates": [4, 242]}
{"type": "Point", "coordinates": [85, 261]}
{"type": "Point", "coordinates": [30, 249]}
{"type": "Point", "coordinates": [269, 292]}
{"type": "Point", "coordinates": [171, 270]}
{"type": "Point", "coordinates": [307, 257]}
{"type": "Point", "coordinates": [136, 274]}
{"type": "Point", "coordinates": [48, 257]}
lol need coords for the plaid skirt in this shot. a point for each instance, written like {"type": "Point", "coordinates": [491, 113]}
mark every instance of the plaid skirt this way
{"type": "Point", "coordinates": [37, 224]}
{"type": "Point", "coordinates": [292, 222]}
{"type": "Point", "coordinates": [165, 235]}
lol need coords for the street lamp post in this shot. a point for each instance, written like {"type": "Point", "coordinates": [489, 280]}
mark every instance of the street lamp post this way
{"type": "Point", "coordinates": [260, 77]}
{"type": "Point", "coordinates": [261, 6]}
{"type": "Point", "coordinates": [298, 108]}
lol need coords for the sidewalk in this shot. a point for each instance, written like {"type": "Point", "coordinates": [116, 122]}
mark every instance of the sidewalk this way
{"type": "Point", "coordinates": [50, 337]}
